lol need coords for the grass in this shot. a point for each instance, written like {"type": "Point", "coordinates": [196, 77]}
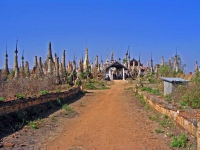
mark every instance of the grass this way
{"type": "Point", "coordinates": [43, 92]}
{"type": "Point", "coordinates": [95, 85]}
{"type": "Point", "coordinates": [68, 109]}
{"type": "Point", "coordinates": [20, 96]}
{"type": "Point", "coordinates": [35, 124]}
{"type": "Point", "coordinates": [2, 99]}
{"type": "Point", "coordinates": [153, 91]}
{"type": "Point", "coordinates": [159, 131]}
{"type": "Point", "coordinates": [53, 118]}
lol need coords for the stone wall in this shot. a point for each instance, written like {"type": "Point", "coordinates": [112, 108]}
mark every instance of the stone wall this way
{"type": "Point", "coordinates": [188, 119]}
{"type": "Point", "coordinates": [16, 105]}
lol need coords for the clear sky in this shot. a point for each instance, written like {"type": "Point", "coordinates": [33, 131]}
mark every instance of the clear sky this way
{"type": "Point", "coordinates": [157, 26]}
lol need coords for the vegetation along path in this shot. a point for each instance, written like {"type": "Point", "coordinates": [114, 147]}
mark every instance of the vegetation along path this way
{"type": "Point", "coordinates": [109, 120]}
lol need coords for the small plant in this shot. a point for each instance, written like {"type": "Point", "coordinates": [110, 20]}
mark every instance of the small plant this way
{"type": "Point", "coordinates": [2, 99]}
{"type": "Point", "coordinates": [182, 103]}
{"type": "Point", "coordinates": [59, 101]}
{"type": "Point", "coordinates": [159, 131]}
{"type": "Point", "coordinates": [163, 123]}
{"type": "Point", "coordinates": [168, 97]}
{"type": "Point", "coordinates": [20, 96]}
{"type": "Point", "coordinates": [81, 104]}
{"type": "Point", "coordinates": [180, 141]}
{"type": "Point", "coordinates": [33, 125]}
{"type": "Point", "coordinates": [67, 108]}
{"type": "Point", "coordinates": [53, 118]}
{"type": "Point", "coordinates": [154, 118]}
{"type": "Point", "coordinates": [43, 92]}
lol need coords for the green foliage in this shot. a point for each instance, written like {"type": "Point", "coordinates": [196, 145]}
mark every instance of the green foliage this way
{"type": "Point", "coordinates": [148, 89]}
{"type": "Point", "coordinates": [33, 125]}
{"type": "Point", "coordinates": [153, 91]}
{"type": "Point", "coordinates": [91, 86]}
{"type": "Point", "coordinates": [154, 118]}
{"type": "Point", "coordinates": [59, 101]}
{"type": "Point", "coordinates": [180, 141]}
{"type": "Point", "coordinates": [190, 96]}
{"type": "Point", "coordinates": [12, 74]}
{"type": "Point", "coordinates": [182, 103]}
{"type": "Point", "coordinates": [168, 97]}
{"type": "Point", "coordinates": [151, 78]}
{"type": "Point", "coordinates": [83, 75]}
{"type": "Point", "coordinates": [20, 96]}
{"type": "Point", "coordinates": [124, 60]}
{"type": "Point", "coordinates": [2, 99]}
{"type": "Point", "coordinates": [165, 71]}
{"type": "Point", "coordinates": [78, 82]}
{"type": "Point", "coordinates": [43, 92]}
{"type": "Point", "coordinates": [67, 108]}
{"type": "Point", "coordinates": [196, 78]}
{"type": "Point", "coordinates": [159, 131]}
{"type": "Point", "coordinates": [53, 118]}
{"type": "Point", "coordinates": [95, 85]}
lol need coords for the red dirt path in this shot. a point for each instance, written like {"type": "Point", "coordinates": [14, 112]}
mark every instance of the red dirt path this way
{"type": "Point", "coordinates": [111, 120]}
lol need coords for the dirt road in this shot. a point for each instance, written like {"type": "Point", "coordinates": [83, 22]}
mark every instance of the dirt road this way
{"type": "Point", "coordinates": [109, 120]}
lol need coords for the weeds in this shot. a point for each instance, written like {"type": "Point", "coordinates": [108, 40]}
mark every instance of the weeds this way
{"type": "Point", "coordinates": [159, 131]}
{"type": "Point", "coordinates": [180, 141]}
{"type": "Point", "coordinates": [2, 99]}
{"type": "Point", "coordinates": [20, 96]}
{"type": "Point", "coordinates": [153, 91]}
{"type": "Point", "coordinates": [68, 109]}
{"type": "Point", "coordinates": [43, 92]}
{"type": "Point", "coordinates": [33, 125]}
{"type": "Point", "coordinates": [53, 118]}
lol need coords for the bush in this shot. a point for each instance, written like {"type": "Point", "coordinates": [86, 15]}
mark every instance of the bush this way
{"type": "Point", "coordinates": [180, 141]}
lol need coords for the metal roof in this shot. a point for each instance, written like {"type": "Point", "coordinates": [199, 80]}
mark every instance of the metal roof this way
{"type": "Point", "coordinates": [174, 79]}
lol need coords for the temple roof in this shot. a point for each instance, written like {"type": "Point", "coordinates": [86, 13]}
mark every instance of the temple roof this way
{"type": "Point", "coordinates": [117, 65]}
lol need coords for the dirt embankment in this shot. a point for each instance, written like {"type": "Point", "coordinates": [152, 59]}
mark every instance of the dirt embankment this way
{"type": "Point", "coordinates": [111, 120]}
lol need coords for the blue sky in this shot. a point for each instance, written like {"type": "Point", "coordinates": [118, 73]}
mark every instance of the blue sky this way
{"type": "Point", "coordinates": [157, 26]}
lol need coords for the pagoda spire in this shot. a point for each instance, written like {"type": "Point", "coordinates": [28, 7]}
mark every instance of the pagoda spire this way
{"type": "Point", "coordinates": [22, 63]}
{"type": "Point", "coordinates": [152, 64]}
{"type": "Point", "coordinates": [50, 52]}
{"type": "Point", "coordinates": [6, 70]}
{"type": "Point", "coordinates": [63, 63]}
{"type": "Point", "coordinates": [16, 58]}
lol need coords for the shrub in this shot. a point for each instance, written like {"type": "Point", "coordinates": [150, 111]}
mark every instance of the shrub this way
{"type": "Point", "coordinates": [180, 141]}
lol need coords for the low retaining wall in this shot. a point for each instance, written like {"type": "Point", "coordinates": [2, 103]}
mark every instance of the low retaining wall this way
{"type": "Point", "coordinates": [188, 119]}
{"type": "Point", "coordinates": [15, 105]}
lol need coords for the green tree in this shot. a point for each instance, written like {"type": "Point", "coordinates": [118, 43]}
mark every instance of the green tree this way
{"type": "Point", "coordinates": [165, 71]}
